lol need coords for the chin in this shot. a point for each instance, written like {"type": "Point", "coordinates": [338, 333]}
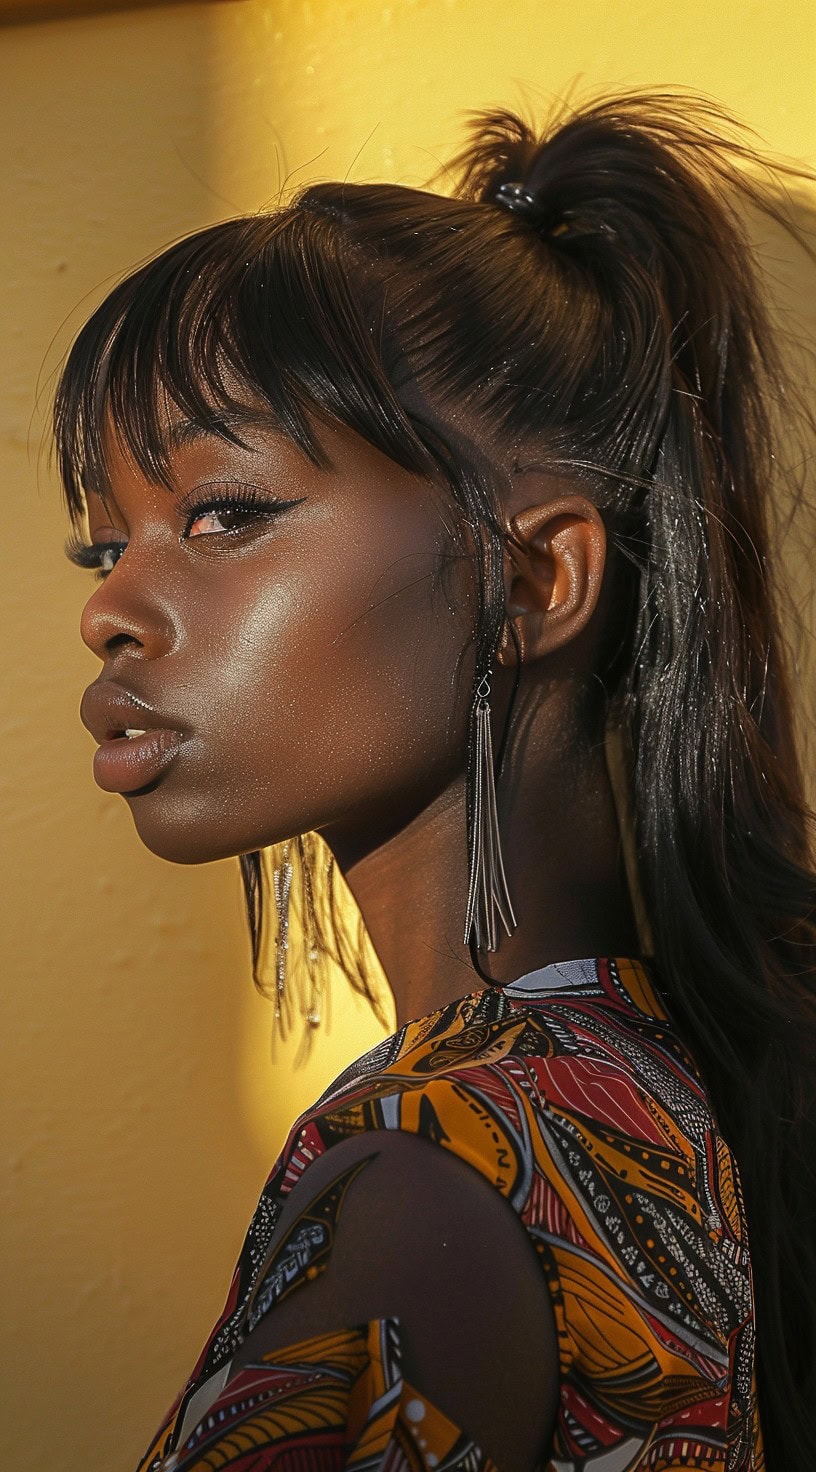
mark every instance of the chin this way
{"type": "Point", "coordinates": [181, 846]}
{"type": "Point", "coordinates": [180, 833]}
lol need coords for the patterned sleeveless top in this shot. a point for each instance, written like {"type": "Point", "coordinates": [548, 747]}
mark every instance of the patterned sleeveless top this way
{"type": "Point", "coordinates": [571, 1094]}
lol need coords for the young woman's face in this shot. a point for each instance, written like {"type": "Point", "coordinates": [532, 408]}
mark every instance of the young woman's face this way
{"type": "Point", "coordinates": [317, 666]}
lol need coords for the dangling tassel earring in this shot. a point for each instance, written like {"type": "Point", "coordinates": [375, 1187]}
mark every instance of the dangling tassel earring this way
{"type": "Point", "coordinates": [488, 896]}
{"type": "Point", "coordinates": [282, 883]}
{"type": "Point", "coordinates": [312, 1013]}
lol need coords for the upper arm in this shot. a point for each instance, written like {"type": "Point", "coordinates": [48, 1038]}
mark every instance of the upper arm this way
{"type": "Point", "coordinates": [417, 1235]}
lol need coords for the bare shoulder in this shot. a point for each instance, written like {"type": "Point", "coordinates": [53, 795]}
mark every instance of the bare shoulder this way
{"type": "Point", "coordinates": [418, 1235]}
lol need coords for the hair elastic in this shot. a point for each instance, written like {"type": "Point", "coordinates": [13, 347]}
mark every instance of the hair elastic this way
{"type": "Point", "coordinates": [517, 198]}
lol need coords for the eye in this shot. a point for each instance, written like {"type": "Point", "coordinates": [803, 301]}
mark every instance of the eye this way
{"type": "Point", "coordinates": [225, 519]}
{"type": "Point", "coordinates": [100, 555]}
{"type": "Point", "coordinates": [225, 514]}
{"type": "Point", "coordinates": [230, 512]}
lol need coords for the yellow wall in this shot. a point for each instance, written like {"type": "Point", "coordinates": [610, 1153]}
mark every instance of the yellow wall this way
{"type": "Point", "coordinates": [142, 1106]}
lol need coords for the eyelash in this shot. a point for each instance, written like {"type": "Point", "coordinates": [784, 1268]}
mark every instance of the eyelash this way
{"type": "Point", "coordinates": [248, 498]}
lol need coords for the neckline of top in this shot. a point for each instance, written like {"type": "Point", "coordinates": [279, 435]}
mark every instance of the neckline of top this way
{"type": "Point", "coordinates": [580, 974]}
{"type": "Point", "coordinates": [627, 978]}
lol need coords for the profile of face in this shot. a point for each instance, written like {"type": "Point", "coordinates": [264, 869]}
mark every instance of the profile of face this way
{"type": "Point", "coordinates": [311, 629]}
{"type": "Point", "coordinates": [305, 630]}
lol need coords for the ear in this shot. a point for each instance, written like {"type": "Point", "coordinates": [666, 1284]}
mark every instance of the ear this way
{"type": "Point", "coordinates": [554, 565]}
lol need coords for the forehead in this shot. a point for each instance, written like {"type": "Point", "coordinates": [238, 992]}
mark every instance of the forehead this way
{"type": "Point", "coordinates": [244, 440]}
{"type": "Point", "coordinates": [242, 426]}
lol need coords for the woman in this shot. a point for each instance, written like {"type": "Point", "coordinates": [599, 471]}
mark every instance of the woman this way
{"type": "Point", "coordinates": [372, 482]}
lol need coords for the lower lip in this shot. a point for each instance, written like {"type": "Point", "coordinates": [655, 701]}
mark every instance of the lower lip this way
{"type": "Point", "coordinates": [127, 763]}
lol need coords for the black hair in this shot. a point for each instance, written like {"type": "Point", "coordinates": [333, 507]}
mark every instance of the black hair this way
{"type": "Point", "coordinates": [619, 329]}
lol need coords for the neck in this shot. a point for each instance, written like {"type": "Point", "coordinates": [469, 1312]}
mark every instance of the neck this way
{"type": "Point", "coordinates": [565, 872]}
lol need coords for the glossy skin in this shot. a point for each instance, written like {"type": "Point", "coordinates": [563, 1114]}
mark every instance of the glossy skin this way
{"type": "Point", "coordinates": [296, 652]}
{"type": "Point", "coordinates": [324, 670]}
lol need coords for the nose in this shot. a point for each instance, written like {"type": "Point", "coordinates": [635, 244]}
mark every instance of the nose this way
{"type": "Point", "coordinates": [116, 615]}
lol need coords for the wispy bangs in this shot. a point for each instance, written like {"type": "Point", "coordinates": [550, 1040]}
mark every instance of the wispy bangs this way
{"type": "Point", "coordinates": [272, 307]}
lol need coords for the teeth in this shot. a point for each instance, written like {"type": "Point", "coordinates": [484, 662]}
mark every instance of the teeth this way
{"type": "Point", "coordinates": [134, 732]}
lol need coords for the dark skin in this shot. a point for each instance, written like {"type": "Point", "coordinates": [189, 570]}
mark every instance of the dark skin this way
{"type": "Point", "coordinates": [324, 671]}
{"type": "Point", "coordinates": [476, 1322]}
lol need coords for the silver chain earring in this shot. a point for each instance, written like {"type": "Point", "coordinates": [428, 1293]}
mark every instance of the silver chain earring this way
{"type": "Point", "coordinates": [488, 899]}
{"type": "Point", "coordinates": [282, 883]}
{"type": "Point", "coordinates": [312, 1013]}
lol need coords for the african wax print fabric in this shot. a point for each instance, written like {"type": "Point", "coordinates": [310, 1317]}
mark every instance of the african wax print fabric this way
{"type": "Point", "coordinates": [570, 1092]}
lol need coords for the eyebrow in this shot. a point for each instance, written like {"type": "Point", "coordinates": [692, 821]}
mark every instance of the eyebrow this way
{"type": "Point", "coordinates": [225, 427]}
{"type": "Point", "coordinates": [183, 432]}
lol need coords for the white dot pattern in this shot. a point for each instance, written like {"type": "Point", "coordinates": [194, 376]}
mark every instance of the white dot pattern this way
{"type": "Point", "coordinates": [415, 1410]}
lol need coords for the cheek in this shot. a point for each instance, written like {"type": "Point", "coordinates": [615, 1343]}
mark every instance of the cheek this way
{"type": "Point", "coordinates": [342, 674]}
{"type": "Point", "coordinates": [323, 679]}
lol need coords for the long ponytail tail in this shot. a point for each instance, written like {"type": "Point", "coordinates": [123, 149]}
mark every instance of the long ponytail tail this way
{"type": "Point", "coordinates": [640, 201]}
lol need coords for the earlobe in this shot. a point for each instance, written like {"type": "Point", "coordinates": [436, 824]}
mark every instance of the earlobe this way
{"type": "Point", "coordinates": [554, 565]}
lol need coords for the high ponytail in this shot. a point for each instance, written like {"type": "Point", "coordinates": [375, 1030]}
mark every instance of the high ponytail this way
{"type": "Point", "coordinates": [646, 207]}
{"type": "Point", "coordinates": [617, 330]}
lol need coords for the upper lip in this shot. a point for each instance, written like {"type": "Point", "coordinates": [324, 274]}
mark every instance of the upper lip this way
{"type": "Point", "coordinates": [107, 709]}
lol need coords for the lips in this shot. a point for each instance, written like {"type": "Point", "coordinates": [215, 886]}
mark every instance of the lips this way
{"type": "Point", "coordinates": [127, 764]}
{"type": "Point", "coordinates": [107, 710]}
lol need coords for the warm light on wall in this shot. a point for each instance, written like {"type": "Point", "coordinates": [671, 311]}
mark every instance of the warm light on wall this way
{"type": "Point", "coordinates": [144, 1096]}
